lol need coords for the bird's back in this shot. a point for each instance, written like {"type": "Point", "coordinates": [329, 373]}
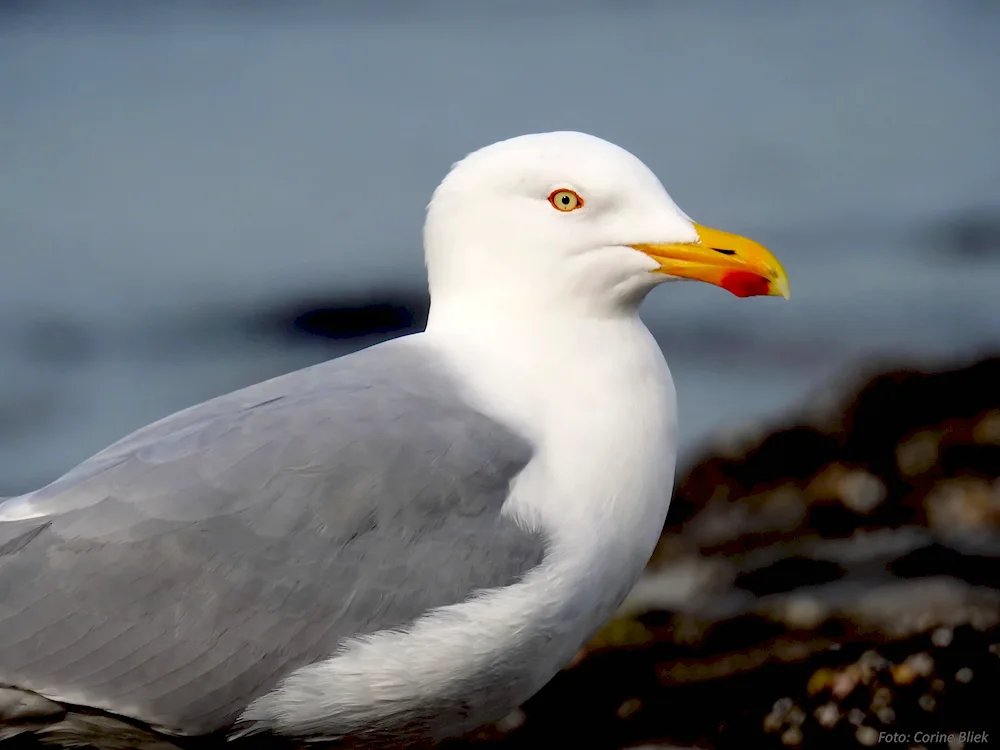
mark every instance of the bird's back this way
{"type": "Point", "coordinates": [188, 568]}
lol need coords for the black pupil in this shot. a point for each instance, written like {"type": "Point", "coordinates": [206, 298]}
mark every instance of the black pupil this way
{"type": "Point", "coordinates": [565, 200]}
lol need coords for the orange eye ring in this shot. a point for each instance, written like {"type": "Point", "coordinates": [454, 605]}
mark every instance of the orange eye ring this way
{"type": "Point", "coordinates": [565, 200]}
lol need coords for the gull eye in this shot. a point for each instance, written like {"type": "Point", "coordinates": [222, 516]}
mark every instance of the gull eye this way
{"type": "Point", "coordinates": [565, 200]}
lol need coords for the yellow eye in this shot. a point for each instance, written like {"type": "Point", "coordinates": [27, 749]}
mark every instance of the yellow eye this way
{"type": "Point", "coordinates": [565, 200]}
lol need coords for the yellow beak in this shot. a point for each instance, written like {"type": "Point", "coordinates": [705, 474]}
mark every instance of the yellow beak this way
{"type": "Point", "coordinates": [735, 263]}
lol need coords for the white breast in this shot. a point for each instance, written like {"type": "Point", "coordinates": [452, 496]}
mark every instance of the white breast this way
{"type": "Point", "coordinates": [598, 402]}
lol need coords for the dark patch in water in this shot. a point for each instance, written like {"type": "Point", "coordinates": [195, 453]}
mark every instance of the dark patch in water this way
{"type": "Point", "coordinates": [57, 340]}
{"type": "Point", "coordinates": [973, 236]}
{"type": "Point", "coordinates": [373, 314]}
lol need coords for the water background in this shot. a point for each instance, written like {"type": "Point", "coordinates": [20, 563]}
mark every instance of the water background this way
{"type": "Point", "coordinates": [175, 177]}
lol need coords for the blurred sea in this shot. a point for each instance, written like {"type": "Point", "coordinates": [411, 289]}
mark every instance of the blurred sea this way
{"type": "Point", "coordinates": [179, 180]}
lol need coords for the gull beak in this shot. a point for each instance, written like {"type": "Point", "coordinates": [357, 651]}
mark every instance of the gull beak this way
{"type": "Point", "coordinates": [735, 263]}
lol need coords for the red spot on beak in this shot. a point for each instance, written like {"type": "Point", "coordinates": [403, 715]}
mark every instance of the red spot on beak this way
{"type": "Point", "coordinates": [745, 284]}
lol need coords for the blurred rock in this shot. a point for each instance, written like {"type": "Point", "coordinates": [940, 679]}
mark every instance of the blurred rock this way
{"type": "Point", "coordinates": [815, 587]}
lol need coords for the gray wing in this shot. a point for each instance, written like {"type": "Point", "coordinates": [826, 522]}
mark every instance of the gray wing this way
{"type": "Point", "coordinates": [185, 570]}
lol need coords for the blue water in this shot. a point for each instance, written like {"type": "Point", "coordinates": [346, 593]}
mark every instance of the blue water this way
{"type": "Point", "coordinates": [167, 171]}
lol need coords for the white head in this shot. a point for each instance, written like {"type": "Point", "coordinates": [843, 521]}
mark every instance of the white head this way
{"type": "Point", "coordinates": [571, 222]}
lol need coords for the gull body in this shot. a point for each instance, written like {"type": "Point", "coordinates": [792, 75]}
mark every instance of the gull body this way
{"type": "Point", "coordinates": [394, 547]}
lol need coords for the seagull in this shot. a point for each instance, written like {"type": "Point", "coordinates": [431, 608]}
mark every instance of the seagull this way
{"type": "Point", "coordinates": [394, 547]}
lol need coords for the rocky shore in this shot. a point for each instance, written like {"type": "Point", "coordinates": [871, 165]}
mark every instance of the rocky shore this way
{"type": "Point", "coordinates": [833, 583]}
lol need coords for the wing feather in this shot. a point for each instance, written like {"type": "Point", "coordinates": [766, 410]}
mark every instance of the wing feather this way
{"type": "Point", "coordinates": [180, 573]}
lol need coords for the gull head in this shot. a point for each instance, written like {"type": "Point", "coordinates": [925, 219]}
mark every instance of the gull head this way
{"type": "Point", "coordinates": [569, 221]}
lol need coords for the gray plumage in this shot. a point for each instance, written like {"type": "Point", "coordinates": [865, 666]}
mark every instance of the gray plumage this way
{"type": "Point", "coordinates": [188, 568]}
